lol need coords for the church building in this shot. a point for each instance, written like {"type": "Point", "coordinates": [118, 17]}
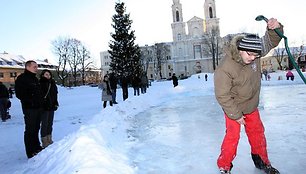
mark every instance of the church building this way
{"type": "Point", "coordinates": [191, 51]}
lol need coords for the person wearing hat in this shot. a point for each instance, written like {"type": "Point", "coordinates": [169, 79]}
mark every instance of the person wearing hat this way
{"type": "Point", "coordinates": [237, 82]}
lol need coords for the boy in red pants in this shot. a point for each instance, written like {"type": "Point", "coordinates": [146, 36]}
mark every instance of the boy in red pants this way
{"type": "Point", "coordinates": [237, 87]}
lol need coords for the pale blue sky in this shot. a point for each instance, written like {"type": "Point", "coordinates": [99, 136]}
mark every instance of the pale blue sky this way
{"type": "Point", "coordinates": [29, 26]}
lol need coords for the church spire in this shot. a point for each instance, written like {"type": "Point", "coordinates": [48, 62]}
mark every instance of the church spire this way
{"type": "Point", "coordinates": [177, 11]}
{"type": "Point", "coordinates": [178, 25]}
{"type": "Point", "coordinates": [211, 20]}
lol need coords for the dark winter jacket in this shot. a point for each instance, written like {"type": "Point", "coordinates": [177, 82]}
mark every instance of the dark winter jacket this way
{"type": "Point", "coordinates": [113, 81]}
{"type": "Point", "coordinates": [174, 80]}
{"type": "Point", "coordinates": [136, 81]}
{"type": "Point", "coordinates": [3, 91]}
{"type": "Point", "coordinates": [28, 90]}
{"type": "Point", "coordinates": [237, 85]}
{"type": "Point", "coordinates": [49, 95]}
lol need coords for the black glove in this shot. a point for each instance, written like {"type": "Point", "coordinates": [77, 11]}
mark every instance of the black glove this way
{"type": "Point", "coordinates": [55, 107]}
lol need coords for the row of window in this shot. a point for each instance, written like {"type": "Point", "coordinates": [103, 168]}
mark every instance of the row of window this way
{"type": "Point", "coordinates": [12, 74]}
{"type": "Point", "coordinates": [8, 63]}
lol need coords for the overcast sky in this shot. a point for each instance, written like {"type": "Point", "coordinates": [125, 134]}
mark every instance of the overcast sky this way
{"type": "Point", "coordinates": [28, 27]}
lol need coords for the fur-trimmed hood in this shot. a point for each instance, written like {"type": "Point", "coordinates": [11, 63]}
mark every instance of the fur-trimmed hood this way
{"type": "Point", "coordinates": [230, 48]}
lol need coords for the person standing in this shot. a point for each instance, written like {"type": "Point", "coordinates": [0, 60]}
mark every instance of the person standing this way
{"type": "Point", "coordinates": [106, 92]}
{"type": "Point", "coordinates": [290, 75]}
{"type": "Point", "coordinates": [50, 104]}
{"type": "Point", "coordinates": [237, 86]}
{"type": "Point", "coordinates": [4, 98]}
{"type": "Point", "coordinates": [144, 83]}
{"type": "Point", "coordinates": [206, 76]}
{"type": "Point", "coordinates": [11, 92]}
{"type": "Point", "coordinates": [124, 85]}
{"type": "Point", "coordinates": [174, 80]}
{"type": "Point", "coordinates": [29, 93]}
{"type": "Point", "coordinates": [113, 84]}
{"type": "Point", "coordinates": [136, 81]}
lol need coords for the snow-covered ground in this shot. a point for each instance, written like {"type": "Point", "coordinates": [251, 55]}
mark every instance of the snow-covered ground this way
{"type": "Point", "coordinates": [165, 131]}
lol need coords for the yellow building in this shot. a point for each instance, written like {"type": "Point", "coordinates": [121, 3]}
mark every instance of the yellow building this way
{"type": "Point", "coordinates": [12, 66]}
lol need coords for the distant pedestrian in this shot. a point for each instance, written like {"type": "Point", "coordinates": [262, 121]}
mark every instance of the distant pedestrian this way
{"type": "Point", "coordinates": [144, 83]}
{"type": "Point", "coordinates": [174, 80]}
{"type": "Point", "coordinates": [106, 92]}
{"type": "Point", "coordinates": [124, 85]}
{"type": "Point", "coordinates": [113, 84]}
{"type": "Point", "coordinates": [4, 99]}
{"type": "Point", "coordinates": [50, 104]}
{"type": "Point", "coordinates": [29, 93]}
{"type": "Point", "coordinates": [206, 76]}
{"type": "Point", "coordinates": [265, 73]}
{"type": "Point", "coordinates": [11, 92]}
{"type": "Point", "coordinates": [269, 77]}
{"type": "Point", "coordinates": [136, 81]}
{"type": "Point", "coordinates": [290, 75]}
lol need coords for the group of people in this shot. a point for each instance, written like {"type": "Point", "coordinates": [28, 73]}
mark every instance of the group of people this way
{"type": "Point", "coordinates": [5, 103]}
{"type": "Point", "coordinates": [140, 82]}
{"type": "Point", "coordinates": [38, 99]}
{"type": "Point", "coordinates": [109, 87]}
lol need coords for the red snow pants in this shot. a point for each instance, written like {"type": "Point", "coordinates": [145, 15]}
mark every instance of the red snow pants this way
{"type": "Point", "coordinates": [255, 133]}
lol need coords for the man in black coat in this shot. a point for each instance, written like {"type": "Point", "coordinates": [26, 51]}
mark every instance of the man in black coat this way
{"type": "Point", "coordinates": [4, 95]}
{"type": "Point", "coordinates": [29, 93]}
{"type": "Point", "coordinates": [124, 86]}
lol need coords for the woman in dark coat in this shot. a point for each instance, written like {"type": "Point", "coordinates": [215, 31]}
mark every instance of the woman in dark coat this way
{"type": "Point", "coordinates": [50, 104]}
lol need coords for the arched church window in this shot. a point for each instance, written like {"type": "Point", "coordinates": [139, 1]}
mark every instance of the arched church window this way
{"type": "Point", "coordinates": [197, 51]}
{"type": "Point", "coordinates": [180, 53]}
{"type": "Point", "coordinates": [210, 12]}
{"type": "Point", "coordinates": [179, 37]}
{"type": "Point", "coordinates": [177, 16]}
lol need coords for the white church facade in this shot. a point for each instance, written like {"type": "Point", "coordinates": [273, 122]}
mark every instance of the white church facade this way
{"type": "Point", "coordinates": [189, 52]}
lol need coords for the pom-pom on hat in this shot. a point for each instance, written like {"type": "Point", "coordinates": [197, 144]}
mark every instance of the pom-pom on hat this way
{"type": "Point", "coordinates": [251, 43]}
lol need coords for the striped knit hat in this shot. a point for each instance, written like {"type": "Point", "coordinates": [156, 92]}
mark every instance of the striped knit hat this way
{"type": "Point", "coordinates": [251, 43]}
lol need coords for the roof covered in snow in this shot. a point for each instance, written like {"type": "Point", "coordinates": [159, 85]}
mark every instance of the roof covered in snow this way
{"type": "Point", "coordinates": [18, 61]}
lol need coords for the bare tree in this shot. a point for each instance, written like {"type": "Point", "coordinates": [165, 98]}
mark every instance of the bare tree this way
{"type": "Point", "coordinates": [161, 51]}
{"type": "Point", "coordinates": [279, 56]}
{"type": "Point", "coordinates": [213, 42]}
{"type": "Point", "coordinates": [74, 59]}
{"type": "Point", "coordinates": [61, 50]}
{"type": "Point", "coordinates": [71, 52]}
{"type": "Point", "coordinates": [86, 61]}
{"type": "Point", "coordinates": [297, 53]}
{"type": "Point", "coordinates": [146, 57]}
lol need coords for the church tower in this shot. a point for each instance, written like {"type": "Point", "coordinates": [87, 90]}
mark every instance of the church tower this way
{"type": "Point", "coordinates": [211, 20]}
{"type": "Point", "coordinates": [178, 25]}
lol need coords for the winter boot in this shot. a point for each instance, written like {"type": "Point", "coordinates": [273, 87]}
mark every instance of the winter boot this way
{"type": "Point", "coordinates": [45, 142]}
{"type": "Point", "coordinates": [50, 139]}
{"type": "Point", "coordinates": [223, 171]}
{"type": "Point", "coordinates": [262, 166]}
{"type": "Point", "coordinates": [270, 170]}
{"type": "Point", "coordinates": [259, 164]}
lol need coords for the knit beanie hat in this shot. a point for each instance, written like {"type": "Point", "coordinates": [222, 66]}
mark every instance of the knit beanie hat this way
{"type": "Point", "coordinates": [251, 43]}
